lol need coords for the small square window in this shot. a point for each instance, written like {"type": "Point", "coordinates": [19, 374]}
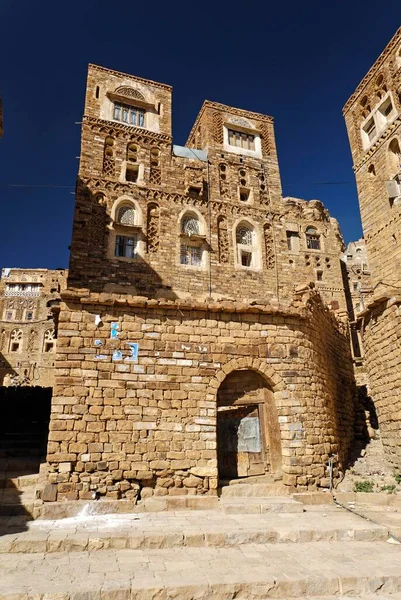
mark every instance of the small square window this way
{"type": "Point", "coordinates": [386, 108]}
{"type": "Point", "coordinates": [244, 194]}
{"type": "Point", "coordinates": [370, 129]}
{"type": "Point", "coordinates": [131, 173]}
{"type": "Point", "coordinates": [28, 315]}
{"type": "Point", "coordinates": [14, 347]}
{"type": "Point", "coordinates": [125, 246]}
{"type": "Point", "coordinates": [191, 255]}
{"type": "Point", "coordinates": [246, 258]}
{"type": "Point", "coordinates": [319, 275]}
{"type": "Point", "coordinates": [241, 139]}
{"type": "Point", "coordinates": [9, 315]}
{"type": "Point", "coordinates": [293, 241]}
{"type": "Point", "coordinates": [48, 347]}
{"type": "Point", "coordinates": [355, 286]}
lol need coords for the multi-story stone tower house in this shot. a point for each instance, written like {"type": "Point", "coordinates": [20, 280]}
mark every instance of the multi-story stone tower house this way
{"type": "Point", "coordinates": [373, 119]}
{"type": "Point", "coordinates": [192, 346]}
{"type": "Point", "coordinates": [27, 326]}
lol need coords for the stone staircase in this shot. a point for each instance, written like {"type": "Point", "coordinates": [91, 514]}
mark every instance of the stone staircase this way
{"type": "Point", "coordinates": [321, 552]}
{"type": "Point", "coordinates": [18, 481]}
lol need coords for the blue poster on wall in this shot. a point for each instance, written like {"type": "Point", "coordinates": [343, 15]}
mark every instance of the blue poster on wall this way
{"type": "Point", "coordinates": [133, 348]}
{"type": "Point", "coordinates": [114, 330]}
{"type": "Point", "coordinates": [117, 355]}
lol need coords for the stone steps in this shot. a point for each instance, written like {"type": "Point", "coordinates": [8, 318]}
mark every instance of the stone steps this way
{"type": "Point", "coordinates": [253, 490]}
{"type": "Point", "coordinates": [259, 505]}
{"type": "Point", "coordinates": [248, 571]}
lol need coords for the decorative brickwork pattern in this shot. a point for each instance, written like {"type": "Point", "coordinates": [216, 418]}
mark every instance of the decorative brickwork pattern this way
{"type": "Point", "coordinates": [217, 127]}
{"type": "Point", "coordinates": [153, 237]}
{"type": "Point", "coordinates": [223, 239]}
{"type": "Point", "coordinates": [269, 246]}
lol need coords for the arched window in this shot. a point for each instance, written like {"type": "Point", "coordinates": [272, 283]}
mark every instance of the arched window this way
{"type": "Point", "coordinates": [191, 251]}
{"type": "Point", "coordinates": [190, 225]}
{"type": "Point", "coordinates": [245, 241]}
{"type": "Point", "coordinates": [372, 170]}
{"type": "Point", "coordinates": [394, 157]}
{"type": "Point", "coordinates": [49, 340]}
{"type": "Point", "coordinates": [108, 156]}
{"type": "Point", "coordinates": [16, 340]}
{"type": "Point", "coordinates": [126, 215]}
{"type": "Point", "coordinates": [312, 238]}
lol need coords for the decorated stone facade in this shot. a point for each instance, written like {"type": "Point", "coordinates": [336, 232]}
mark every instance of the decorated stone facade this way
{"type": "Point", "coordinates": [373, 119]}
{"type": "Point", "coordinates": [203, 334]}
{"type": "Point", "coordinates": [28, 305]}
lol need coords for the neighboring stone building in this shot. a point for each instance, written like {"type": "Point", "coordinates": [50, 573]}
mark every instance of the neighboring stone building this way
{"type": "Point", "coordinates": [27, 326]}
{"type": "Point", "coordinates": [358, 291]}
{"type": "Point", "coordinates": [191, 346]}
{"type": "Point", "coordinates": [373, 119]}
{"type": "Point", "coordinates": [360, 282]}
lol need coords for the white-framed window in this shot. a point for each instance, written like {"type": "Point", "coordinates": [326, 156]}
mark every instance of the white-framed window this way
{"type": "Point", "coordinates": [293, 241]}
{"type": "Point", "coordinates": [245, 242]}
{"type": "Point", "coordinates": [191, 255]}
{"type": "Point", "coordinates": [49, 340]}
{"type": "Point", "coordinates": [370, 129]}
{"type": "Point", "coordinates": [240, 139]}
{"type": "Point", "coordinates": [9, 315]}
{"type": "Point", "coordinates": [131, 115]}
{"type": "Point", "coordinates": [312, 238]}
{"type": "Point", "coordinates": [192, 241]}
{"type": "Point", "coordinates": [28, 315]}
{"type": "Point", "coordinates": [126, 246]}
{"type": "Point", "coordinates": [379, 118]}
{"type": "Point", "coordinates": [15, 340]}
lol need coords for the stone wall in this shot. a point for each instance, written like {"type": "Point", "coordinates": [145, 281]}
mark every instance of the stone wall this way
{"type": "Point", "coordinates": [119, 423]}
{"type": "Point", "coordinates": [382, 335]}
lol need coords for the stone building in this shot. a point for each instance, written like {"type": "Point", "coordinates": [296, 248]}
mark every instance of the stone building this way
{"type": "Point", "coordinates": [203, 333]}
{"type": "Point", "coordinates": [373, 119]}
{"type": "Point", "coordinates": [27, 326]}
{"type": "Point", "coordinates": [358, 291]}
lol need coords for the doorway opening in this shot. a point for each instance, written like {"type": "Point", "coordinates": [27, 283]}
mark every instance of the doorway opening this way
{"type": "Point", "coordinates": [248, 433]}
{"type": "Point", "coordinates": [24, 430]}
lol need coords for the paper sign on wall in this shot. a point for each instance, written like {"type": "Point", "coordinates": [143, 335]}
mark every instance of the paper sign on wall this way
{"type": "Point", "coordinates": [133, 348]}
{"type": "Point", "coordinates": [117, 355]}
{"type": "Point", "coordinates": [114, 330]}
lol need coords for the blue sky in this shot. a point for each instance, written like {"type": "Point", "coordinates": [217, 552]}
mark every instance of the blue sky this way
{"type": "Point", "coordinates": [296, 61]}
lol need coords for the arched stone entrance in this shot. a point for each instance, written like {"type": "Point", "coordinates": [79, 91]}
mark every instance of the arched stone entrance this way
{"type": "Point", "coordinates": [248, 433]}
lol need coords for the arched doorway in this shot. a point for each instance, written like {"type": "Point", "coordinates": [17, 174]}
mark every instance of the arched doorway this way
{"type": "Point", "coordinates": [248, 433]}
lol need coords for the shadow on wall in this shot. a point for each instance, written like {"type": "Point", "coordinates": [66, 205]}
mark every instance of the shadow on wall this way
{"type": "Point", "coordinates": [24, 422]}
{"type": "Point", "coordinates": [95, 241]}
